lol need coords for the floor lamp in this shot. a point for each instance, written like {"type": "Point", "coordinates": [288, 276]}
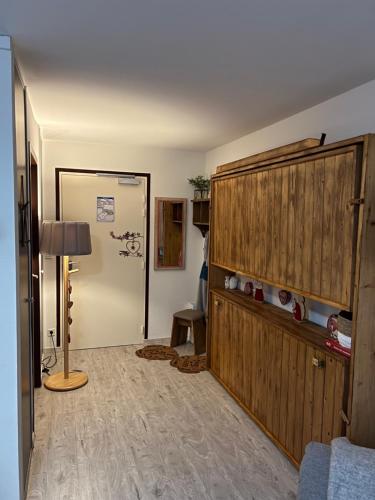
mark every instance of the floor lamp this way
{"type": "Point", "coordinates": [65, 239]}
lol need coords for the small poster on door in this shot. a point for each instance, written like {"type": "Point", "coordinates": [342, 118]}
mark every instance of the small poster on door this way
{"type": "Point", "coordinates": [105, 209]}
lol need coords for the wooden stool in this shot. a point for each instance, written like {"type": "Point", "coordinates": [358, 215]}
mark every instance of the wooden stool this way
{"type": "Point", "coordinates": [189, 318]}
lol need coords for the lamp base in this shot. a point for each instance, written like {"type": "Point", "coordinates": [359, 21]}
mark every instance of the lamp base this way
{"type": "Point", "coordinates": [57, 382]}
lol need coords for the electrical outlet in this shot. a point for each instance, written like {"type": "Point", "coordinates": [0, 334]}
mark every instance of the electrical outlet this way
{"type": "Point", "coordinates": [51, 335]}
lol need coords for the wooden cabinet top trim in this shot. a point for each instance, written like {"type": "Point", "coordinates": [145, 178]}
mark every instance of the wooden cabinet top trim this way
{"type": "Point", "coordinates": [294, 147]}
{"type": "Point", "coordinates": [284, 162]}
{"type": "Point", "coordinates": [262, 160]}
{"type": "Point", "coordinates": [309, 332]}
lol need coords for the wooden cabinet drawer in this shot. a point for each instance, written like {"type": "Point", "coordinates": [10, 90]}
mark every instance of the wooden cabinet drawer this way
{"type": "Point", "coordinates": [296, 391]}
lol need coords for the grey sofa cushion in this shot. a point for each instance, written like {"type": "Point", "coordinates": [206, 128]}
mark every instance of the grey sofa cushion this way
{"type": "Point", "coordinates": [314, 470]}
{"type": "Point", "coordinates": [351, 472]}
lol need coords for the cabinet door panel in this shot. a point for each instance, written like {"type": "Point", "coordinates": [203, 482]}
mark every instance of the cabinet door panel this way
{"type": "Point", "coordinates": [248, 360]}
{"type": "Point", "coordinates": [277, 371]}
{"type": "Point", "coordinates": [293, 405]}
{"type": "Point", "coordinates": [273, 388]}
{"type": "Point", "coordinates": [284, 390]}
{"type": "Point", "coordinates": [308, 403]}
{"type": "Point", "coordinates": [217, 334]}
{"type": "Point", "coordinates": [238, 358]}
{"type": "Point", "coordinates": [323, 398]}
{"type": "Point", "coordinates": [300, 400]}
{"type": "Point", "coordinates": [291, 226]}
{"type": "Point", "coordinates": [328, 400]}
{"type": "Point", "coordinates": [274, 374]}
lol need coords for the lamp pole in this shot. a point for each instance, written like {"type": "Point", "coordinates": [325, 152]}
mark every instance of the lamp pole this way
{"type": "Point", "coordinates": [66, 313]}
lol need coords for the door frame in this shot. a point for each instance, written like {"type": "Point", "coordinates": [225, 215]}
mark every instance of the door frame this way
{"type": "Point", "coordinates": [33, 171]}
{"type": "Point", "coordinates": [147, 176]}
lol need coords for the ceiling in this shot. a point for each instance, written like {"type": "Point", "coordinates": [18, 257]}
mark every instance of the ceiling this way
{"type": "Point", "coordinates": [185, 74]}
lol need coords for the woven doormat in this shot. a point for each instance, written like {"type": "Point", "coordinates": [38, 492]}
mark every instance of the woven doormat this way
{"type": "Point", "coordinates": [157, 352]}
{"type": "Point", "coordinates": [190, 364]}
{"type": "Point", "coordinates": [186, 364]}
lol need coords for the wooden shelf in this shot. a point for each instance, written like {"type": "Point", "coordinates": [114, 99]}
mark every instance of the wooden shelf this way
{"type": "Point", "coordinates": [310, 332]}
{"type": "Point", "coordinates": [177, 212]}
{"type": "Point", "coordinates": [282, 286]}
{"type": "Point", "coordinates": [201, 214]}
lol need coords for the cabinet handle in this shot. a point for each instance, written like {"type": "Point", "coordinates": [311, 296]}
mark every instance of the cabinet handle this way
{"type": "Point", "coordinates": [356, 201]}
{"type": "Point", "coordinates": [319, 363]}
{"type": "Point", "coordinates": [217, 303]}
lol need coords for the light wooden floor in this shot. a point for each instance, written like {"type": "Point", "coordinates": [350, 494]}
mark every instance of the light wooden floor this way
{"type": "Point", "coordinates": [142, 430]}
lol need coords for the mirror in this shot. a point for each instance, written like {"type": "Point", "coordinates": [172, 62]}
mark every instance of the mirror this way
{"type": "Point", "coordinates": [170, 231]}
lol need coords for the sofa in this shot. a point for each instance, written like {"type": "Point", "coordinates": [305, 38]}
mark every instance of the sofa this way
{"type": "Point", "coordinates": [341, 471]}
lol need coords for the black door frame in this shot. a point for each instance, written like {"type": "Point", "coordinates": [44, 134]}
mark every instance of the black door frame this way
{"type": "Point", "coordinates": [33, 172]}
{"type": "Point", "coordinates": [147, 176]}
{"type": "Point", "coordinates": [24, 277]}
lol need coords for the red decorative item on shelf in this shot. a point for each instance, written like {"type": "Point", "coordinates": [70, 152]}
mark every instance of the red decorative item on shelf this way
{"type": "Point", "coordinates": [335, 346]}
{"type": "Point", "coordinates": [332, 325]}
{"type": "Point", "coordinates": [259, 295]}
{"type": "Point", "coordinates": [299, 309]}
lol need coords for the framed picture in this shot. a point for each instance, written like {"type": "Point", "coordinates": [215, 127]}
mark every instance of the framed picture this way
{"type": "Point", "coordinates": [105, 209]}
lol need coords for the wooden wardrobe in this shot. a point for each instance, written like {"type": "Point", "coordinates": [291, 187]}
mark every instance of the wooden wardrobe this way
{"type": "Point", "coordinates": [300, 218]}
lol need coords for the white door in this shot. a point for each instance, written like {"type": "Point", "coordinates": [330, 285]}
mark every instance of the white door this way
{"type": "Point", "coordinates": [108, 291]}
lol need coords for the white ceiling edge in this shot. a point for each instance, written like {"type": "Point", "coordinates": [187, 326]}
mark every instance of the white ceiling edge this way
{"type": "Point", "coordinates": [56, 133]}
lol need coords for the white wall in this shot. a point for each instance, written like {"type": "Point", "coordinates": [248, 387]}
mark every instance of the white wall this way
{"type": "Point", "coordinates": [9, 352]}
{"type": "Point", "coordinates": [344, 116]}
{"type": "Point", "coordinates": [169, 290]}
{"type": "Point", "coordinates": [33, 131]}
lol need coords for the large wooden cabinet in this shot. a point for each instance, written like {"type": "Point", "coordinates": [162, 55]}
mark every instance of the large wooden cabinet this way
{"type": "Point", "coordinates": [304, 222]}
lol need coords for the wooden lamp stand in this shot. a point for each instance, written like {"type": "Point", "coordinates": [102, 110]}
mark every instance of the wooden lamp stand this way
{"type": "Point", "coordinates": [66, 380]}
{"type": "Point", "coordinates": [63, 239]}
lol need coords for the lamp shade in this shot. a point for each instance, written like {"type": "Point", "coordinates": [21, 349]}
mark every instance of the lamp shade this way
{"type": "Point", "coordinates": [65, 238]}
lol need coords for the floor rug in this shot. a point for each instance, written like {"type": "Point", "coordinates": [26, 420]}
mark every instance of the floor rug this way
{"type": "Point", "coordinates": [157, 352]}
{"type": "Point", "coordinates": [190, 364]}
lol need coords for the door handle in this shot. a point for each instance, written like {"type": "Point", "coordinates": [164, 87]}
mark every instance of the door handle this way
{"type": "Point", "coordinates": [35, 276]}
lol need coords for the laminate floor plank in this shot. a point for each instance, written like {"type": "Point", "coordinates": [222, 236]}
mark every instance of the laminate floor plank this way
{"type": "Point", "coordinates": [141, 430]}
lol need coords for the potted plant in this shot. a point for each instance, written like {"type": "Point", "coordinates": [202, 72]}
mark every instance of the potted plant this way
{"type": "Point", "coordinates": [201, 187]}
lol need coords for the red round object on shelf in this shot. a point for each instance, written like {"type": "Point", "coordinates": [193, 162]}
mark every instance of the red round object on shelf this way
{"type": "Point", "coordinates": [285, 297]}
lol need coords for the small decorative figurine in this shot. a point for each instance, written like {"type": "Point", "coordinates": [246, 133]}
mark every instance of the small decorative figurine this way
{"type": "Point", "coordinates": [259, 295]}
{"type": "Point", "coordinates": [299, 309]}
{"type": "Point", "coordinates": [285, 297]}
{"type": "Point", "coordinates": [233, 282]}
{"type": "Point", "coordinates": [249, 288]}
{"type": "Point", "coordinates": [344, 329]}
{"type": "Point", "coordinates": [226, 282]}
{"type": "Point", "coordinates": [332, 325]}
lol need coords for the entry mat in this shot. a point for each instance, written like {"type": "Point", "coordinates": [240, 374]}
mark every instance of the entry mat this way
{"type": "Point", "coordinates": [185, 364]}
